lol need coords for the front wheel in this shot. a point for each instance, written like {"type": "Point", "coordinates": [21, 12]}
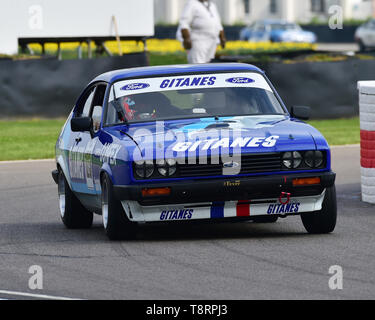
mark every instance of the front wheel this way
{"type": "Point", "coordinates": [362, 47]}
{"type": "Point", "coordinates": [323, 221]}
{"type": "Point", "coordinates": [116, 224]}
{"type": "Point", "coordinates": [73, 214]}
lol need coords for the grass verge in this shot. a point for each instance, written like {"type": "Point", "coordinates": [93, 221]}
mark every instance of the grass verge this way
{"type": "Point", "coordinates": [36, 138]}
{"type": "Point", "coordinates": [339, 131]}
{"type": "Point", "coordinates": [29, 139]}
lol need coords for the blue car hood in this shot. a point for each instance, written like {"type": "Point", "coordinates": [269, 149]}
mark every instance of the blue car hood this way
{"type": "Point", "coordinates": [289, 134]}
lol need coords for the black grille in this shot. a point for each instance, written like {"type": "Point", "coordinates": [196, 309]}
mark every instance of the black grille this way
{"type": "Point", "coordinates": [250, 163]}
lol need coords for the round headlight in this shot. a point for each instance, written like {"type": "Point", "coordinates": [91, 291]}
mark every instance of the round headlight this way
{"type": "Point", "coordinates": [314, 159]}
{"type": "Point", "coordinates": [144, 169]}
{"type": "Point", "coordinates": [166, 167]}
{"type": "Point", "coordinates": [292, 159]}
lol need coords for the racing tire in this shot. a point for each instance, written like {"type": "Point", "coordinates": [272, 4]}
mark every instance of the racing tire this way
{"type": "Point", "coordinates": [116, 224]}
{"type": "Point", "coordinates": [323, 221]}
{"type": "Point", "coordinates": [362, 47]}
{"type": "Point", "coordinates": [266, 219]}
{"type": "Point", "coordinates": [73, 214]}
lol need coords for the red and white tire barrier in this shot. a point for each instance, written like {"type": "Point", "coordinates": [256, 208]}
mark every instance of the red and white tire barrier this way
{"type": "Point", "coordinates": [367, 125]}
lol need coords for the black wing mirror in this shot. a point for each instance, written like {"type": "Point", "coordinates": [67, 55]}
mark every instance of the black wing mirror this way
{"type": "Point", "coordinates": [81, 124]}
{"type": "Point", "coordinates": [300, 112]}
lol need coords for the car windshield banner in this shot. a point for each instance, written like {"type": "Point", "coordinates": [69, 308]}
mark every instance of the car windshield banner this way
{"type": "Point", "coordinates": [189, 82]}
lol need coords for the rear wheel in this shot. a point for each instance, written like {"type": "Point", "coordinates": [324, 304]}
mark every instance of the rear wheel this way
{"type": "Point", "coordinates": [73, 214]}
{"type": "Point", "coordinates": [323, 221]}
{"type": "Point", "coordinates": [116, 224]}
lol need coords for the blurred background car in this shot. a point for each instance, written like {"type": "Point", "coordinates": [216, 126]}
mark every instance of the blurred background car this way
{"type": "Point", "coordinates": [365, 35]}
{"type": "Point", "coordinates": [276, 31]}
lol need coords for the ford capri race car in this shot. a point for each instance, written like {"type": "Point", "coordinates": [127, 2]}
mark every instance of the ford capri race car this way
{"type": "Point", "coordinates": [190, 142]}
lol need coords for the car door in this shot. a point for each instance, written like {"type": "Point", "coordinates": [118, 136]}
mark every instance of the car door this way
{"type": "Point", "coordinates": [93, 145]}
{"type": "Point", "coordinates": [246, 33]}
{"type": "Point", "coordinates": [83, 182]}
{"type": "Point", "coordinates": [76, 160]}
{"type": "Point", "coordinates": [259, 33]}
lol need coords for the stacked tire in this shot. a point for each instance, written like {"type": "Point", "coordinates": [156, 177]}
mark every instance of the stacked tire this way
{"type": "Point", "coordinates": [367, 125]}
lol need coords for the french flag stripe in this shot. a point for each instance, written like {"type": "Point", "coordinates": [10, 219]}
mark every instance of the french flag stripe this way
{"type": "Point", "coordinates": [217, 210]}
{"type": "Point", "coordinates": [243, 208]}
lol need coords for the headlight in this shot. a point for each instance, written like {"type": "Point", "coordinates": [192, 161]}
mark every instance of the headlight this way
{"type": "Point", "coordinates": [166, 167]}
{"type": "Point", "coordinates": [292, 159]}
{"type": "Point", "coordinates": [144, 169]}
{"type": "Point", "coordinates": [314, 159]}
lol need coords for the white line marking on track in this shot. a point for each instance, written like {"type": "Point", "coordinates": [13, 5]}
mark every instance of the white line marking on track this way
{"type": "Point", "coordinates": [32, 295]}
{"type": "Point", "coordinates": [26, 161]}
{"type": "Point", "coordinates": [346, 146]}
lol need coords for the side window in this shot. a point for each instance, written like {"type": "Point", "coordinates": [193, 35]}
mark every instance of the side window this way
{"type": "Point", "coordinates": [84, 106]}
{"type": "Point", "coordinates": [114, 115]}
{"type": "Point", "coordinates": [260, 27]}
{"type": "Point", "coordinates": [97, 109]}
{"type": "Point", "coordinates": [96, 117]}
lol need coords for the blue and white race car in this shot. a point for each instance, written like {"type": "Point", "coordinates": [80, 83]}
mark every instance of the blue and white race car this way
{"type": "Point", "coordinates": [190, 142]}
{"type": "Point", "coordinates": [276, 31]}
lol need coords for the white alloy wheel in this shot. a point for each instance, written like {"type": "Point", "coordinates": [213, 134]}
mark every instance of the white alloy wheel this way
{"type": "Point", "coordinates": [105, 205]}
{"type": "Point", "coordinates": [61, 192]}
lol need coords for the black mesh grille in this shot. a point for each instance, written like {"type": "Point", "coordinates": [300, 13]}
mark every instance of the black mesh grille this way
{"type": "Point", "coordinates": [250, 163]}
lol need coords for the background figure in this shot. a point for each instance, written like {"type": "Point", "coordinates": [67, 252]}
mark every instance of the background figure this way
{"type": "Point", "coordinates": [200, 30]}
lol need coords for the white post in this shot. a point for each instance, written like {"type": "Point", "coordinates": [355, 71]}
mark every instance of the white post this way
{"type": "Point", "coordinates": [172, 9]}
{"type": "Point", "coordinates": [367, 125]}
{"type": "Point", "coordinates": [289, 7]}
{"type": "Point", "coordinates": [229, 16]}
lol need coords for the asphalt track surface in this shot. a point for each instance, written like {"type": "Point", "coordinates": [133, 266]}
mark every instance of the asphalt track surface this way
{"type": "Point", "coordinates": [195, 261]}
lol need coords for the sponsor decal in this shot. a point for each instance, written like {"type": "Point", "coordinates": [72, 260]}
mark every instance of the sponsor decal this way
{"type": "Point", "coordinates": [188, 82]}
{"type": "Point", "coordinates": [230, 164]}
{"type": "Point", "coordinates": [211, 144]}
{"type": "Point", "coordinates": [240, 80]}
{"type": "Point", "coordinates": [177, 214]}
{"type": "Point", "coordinates": [283, 208]}
{"type": "Point", "coordinates": [236, 183]}
{"type": "Point", "coordinates": [135, 86]}
{"type": "Point", "coordinates": [76, 163]}
{"type": "Point", "coordinates": [109, 153]}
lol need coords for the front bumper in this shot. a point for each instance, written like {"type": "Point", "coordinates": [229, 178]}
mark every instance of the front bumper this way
{"type": "Point", "coordinates": [245, 210]}
{"type": "Point", "coordinates": [218, 190]}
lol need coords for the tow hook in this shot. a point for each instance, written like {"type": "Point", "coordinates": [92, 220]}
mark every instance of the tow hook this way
{"type": "Point", "coordinates": [284, 195]}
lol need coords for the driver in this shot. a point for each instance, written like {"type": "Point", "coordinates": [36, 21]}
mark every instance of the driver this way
{"type": "Point", "coordinates": [145, 106]}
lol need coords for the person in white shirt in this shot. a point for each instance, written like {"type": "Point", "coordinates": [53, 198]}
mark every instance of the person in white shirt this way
{"type": "Point", "coordinates": [200, 30]}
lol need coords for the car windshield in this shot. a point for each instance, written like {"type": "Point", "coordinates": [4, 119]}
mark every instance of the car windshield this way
{"type": "Point", "coordinates": [233, 96]}
{"type": "Point", "coordinates": [284, 26]}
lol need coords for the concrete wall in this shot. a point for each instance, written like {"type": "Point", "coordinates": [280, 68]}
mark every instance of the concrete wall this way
{"type": "Point", "coordinates": [49, 87]}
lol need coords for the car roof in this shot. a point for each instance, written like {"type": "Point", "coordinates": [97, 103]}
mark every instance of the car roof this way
{"type": "Point", "coordinates": [272, 21]}
{"type": "Point", "coordinates": [275, 21]}
{"type": "Point", "coordinates": [139, 72]}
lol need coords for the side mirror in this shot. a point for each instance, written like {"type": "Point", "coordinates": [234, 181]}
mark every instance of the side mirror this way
{"type": "Point", "coordinates": [300, 112]}
{"type": "Point", "coordinates": [81, 124]}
